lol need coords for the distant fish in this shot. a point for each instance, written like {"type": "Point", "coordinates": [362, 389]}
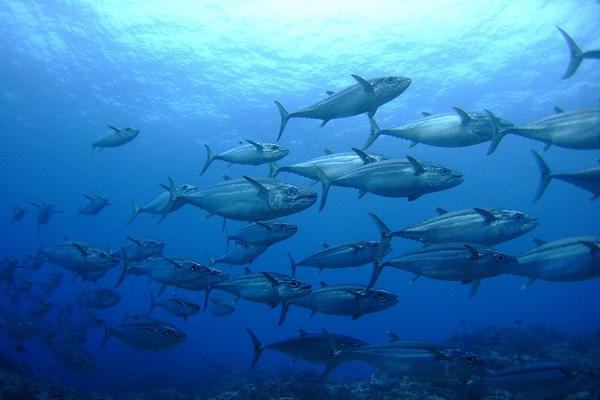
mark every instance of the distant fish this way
{"type": "Point", "coordinates": [94, 205]}
{"type": "Point", "coordinates": [575, 54]}
{"type": "Point", "coordinates": [19, 327]}
{"type": "Point", "coordinates": [240, 254]}
{"type": "Point", "coordinates": [178, 306]}
{"type": "Point", "coordinates": [79, 256]}
{"type": "Point", "coordinates": [167, 202]}
{"type": "Point", "coordinates": [364, 97]}
{"type": "Point", "coordinates": [18, 213]}
{"type": "Point", "coordinates": [145, 333]}
{"type": "Point", "coordinates": [253, 153]}
{"type": "Point", "coordinates": [7, 269]}
{"type": "Point", "coordinates": [264, 233]}
{"type": "Point", "coordinates": [45, 211]}
{"type": "Point", "coordinates": [98, 298]}
{"type": "Point", "coordinates": [220, 307]}
{"type": "Point", "coordinates": [140, 249]}
{"type": "Point", "coordinates": [72, 356]}
{"type": "Point", "coordinates": [116, 137]}
{"type": "Point", "coordinates": [588, 179]}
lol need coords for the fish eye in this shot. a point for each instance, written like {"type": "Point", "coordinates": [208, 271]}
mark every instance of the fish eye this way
{"type": "Point", "coordinates": [500, 257]}
{"type": "Point", "coordinates": [381, 295]}
{"type": "Point", "coordinates": [195, 267]}
{"type": "Point", "coordinates": [274, 147]}
{"type": "Point", "coordinates": [445, 171]}
{"type": "Point", "coordinates": [469, 359]}
{"type": "Point", "coordinates": [292, 191]}
{"type": "Point", "coordinates": [282, 226]}
{"type": "Point", "coordinates": [518, 217]}
{"type": "Point", "coordinates": [376, 244]}
{"type": "Point", "coordinates": [356, 345]}
{"type": "Point", "coordinates": [294, 284]}
{"type": "Point", "coordinates": [102, 255]}
{"type": "Point", "coordinates": [170, 332]}
{"type": "Point", "coordinates": [390, 80]}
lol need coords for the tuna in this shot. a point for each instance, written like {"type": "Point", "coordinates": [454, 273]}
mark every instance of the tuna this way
{"type": "Point", "coordinates": [94, 205]}
{"type": "Point", "coordinates": [241, 254]}
{"type": "Point", "coordinates": [72, 356]}
{"type": "Point", "coordinates": [565, 260]}
{"type": "Point", "coordinates": [45, 211]}
{"type": "Point", "coordinates": [220, 307]}
{"type": "Point", "coordinates": [140, 249]}
{"type": "Point", "coordinates": [588, 179]}
{"type": "Point", "coordinates": [253, 153]}
{"type": "Point", "coordinates": [116, 137]}
{"type": "Point", "coordinates": [167, 202]}
{"type": "Point", "coordinates": [465, 262]}
{"type": "Point", "coordinates": [576, 56]}
{"type": "Point", "coordinates": [18, 213]}
{"type": "Point", "coordinates": [80, 256]}
{"type": "Point", "coordinates": [145, 333]}
{"type": "Point", "coordinates": [395, 178]}
{"type": "Point", "coordinates": [485, 226]}
{"type": "Point", "coordinates": [178, 306]}
{"type": "Point", "coordinates": [457, 129]}
{"type": "Point", "coordinates": [364, 97]}
{"type": "Point", "coordinates": [98, 298]}
{"type": "Point", "coordinates": [264, 233]}
{"type": "Point", "coordinates": [578, 130]}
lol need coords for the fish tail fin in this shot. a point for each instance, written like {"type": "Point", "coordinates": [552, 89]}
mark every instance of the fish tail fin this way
{"type": "Point", "coordinates": [126, 267]}
{"type": "Point", "coordinates": [546, 175]}
{"type": "Point", "coordinates": [575, 54]}
{"type": "Point", "coordinates": [497, 134]}
{"type": "Point", "coordinates": [326, 184]}
{"type": "Point", "coordinates": [284, 119]}
{"type": "Point", "coordinates": [209, 159]}
{"type": "Point", "coordinates": [152, 302]}
{"type": "Point", "coordinates": [273, 169]}
{"type": "Point", "coordinates": [293, 264]}
{"type": "Point", "coordinates": [206, 295]}
{"type": "Point", "coordinates": [284, 309]}
{"type": "Point", "coordinates": [258, 347]}
{"type": "Point", "coordinates": [377, 268]}
{"type": "Point", "coordinates": [172, 197]}
{"type": "Point", "coordinates": [375, 133]}
{"type": "Point", "coordinates": [135, 211]}
{"type": "Point", "coordinates": [107, 333]}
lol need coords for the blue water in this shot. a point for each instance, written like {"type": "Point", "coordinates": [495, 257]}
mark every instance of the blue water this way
{"type": "Point", "coordinates": [187, 74]}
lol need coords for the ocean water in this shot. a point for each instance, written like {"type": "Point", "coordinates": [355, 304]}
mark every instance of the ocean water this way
{"type": "Point", "coordinates": [189, 73]}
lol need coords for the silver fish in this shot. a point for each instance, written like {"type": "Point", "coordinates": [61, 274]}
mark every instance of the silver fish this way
{"type": "Point", "coordinates": [350, 300]}
{"type": "Point", "coordinates": [251, 199]}
{"type": "Point", "coordinates": [457, 129]}
{"type": "Point", "coordinates": [220, 307]}
{"type": "Point", "coordinates": [253, 153]}
{"type": "Point", "coordinates": [576, 56]}
{"type": "Point", "coordinates": [146, 333]}
{"type": "Point", "coordinates": [588, 179]}
{"type": "Point", "coordinates": [364, 97]}
{"type": "Point", "coordinates": [466, 262]}
{"type": "Point", "coordinates": [485, 226]}
{"type": "Point", "coordinates": [94, 205]}
{"type": "Point", "coordinates": [241, 254]}
{"type": "Point", "coordinates": [45, 212]}
{"type": "Point", "coordinates": [565, 260]}
{"type": "Point", "coordinates": [571, 130]}
{"type": "Point", "coordinates": [116, 137]}
{"type": "Point", "coordinates": [167, 202]}
{"type": "Point", "coordinates": [395, 178]}
{"type": "Point", "coordinates": [98, 298]}
{"type": "Point", "coordinates": [140, 249]}
{"type": "Point", "coordinates": [79, 256]}
{"type": "Point", "coordinates": [264, 233]}
{"type": "Point", "coordinates": [178, 306]}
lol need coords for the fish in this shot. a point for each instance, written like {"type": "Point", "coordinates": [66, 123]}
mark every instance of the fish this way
{"type": "Point", "coordinates": [78, 256]}
{"type": "Point", "coordinates": [19, 327]}
{"type": "Point", "coordinates": [363, 97]}
{"type": "Point", "coordinates": [251, 199]}
{"type": "Point", "coordinates": [270, 288]}
{"type": "Point", "coordinates": [565, 260]}
{"type": "Point", "coordinates": [465, 262]}
{"type": "Point", "coordinates": [33, 262]}
{"type": "Point", "coordinates": [90, 276]}
{"type": "Point", "coordinates": [579, 130]}
{"type": "Point", "coordinates": [18, 213]}
{"type": "Point", "coordinates": [98, 298]}
{"type": "Point", "coordinates": [485, 226]}
{"type": "Point", "coordinates": [7, 269]}
{"type": "Point", "coordinates": [588, 179]}
{"type": "Point", "coordinates": [178, 306]}
{"type": "Point", "coordinates": [351, 254]}
{"type": "Point", "coordinates": [38, 305]}
{"type": "Point", "coordinates": [549, 380]}
{"type": "Point", "coordinates": [116, 137]}
{"type": "Point", "coordinates": [576, 56]}
{"type": "Point", "coordinates": [220, 307]}
{"type": "Point", "coordinates": [145, 333]}
{"type": "Point", "coordinates": [310, 347]}
{"type": "Point", "coordinates": [457, 129]}
{"type": "Point", "coordinates": [252, 153]}
{"type": "Point", "coordinates": [45, 212]}
{"type": "Point", "coordinates": [52, 282]}
{"type": "Point", "coordinates": [264, 233]}
{"type": "Point", "coordinates": [140, 249]}
{"type": "Point", "coordinates": [167, 202]}
{"type": "Point", "coordinates": [241, 253]}
{"type": "Point", "coordinates": [344, 300]}
{"type": "Point", "coordinates": [94, 205]}
{"type": "Point", "coordinates": [72, 356]}
{"type": "Point", "coordinates": [332, 165]}
{"type": "Point", "coordinates": [395, 178]}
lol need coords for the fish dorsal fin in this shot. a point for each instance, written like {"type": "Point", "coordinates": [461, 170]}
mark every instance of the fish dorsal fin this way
{"type": "Point", "coordinates": [426, 114]}
{"type": "Point", "coordinates": [258, 146]}
{"type": "Point", "coordinates": [416, 165]}
{"type": "Point", "coordinates": [464, 117]}
{"type": "Point", "coordinates": [488, 217]}
{"type": "Point", "coordinates": [539, 242]}
{"type": "Point", "coordinates": [247, 270]}
{"type": "Point", "coordinates": [393, 337]}
{"type": "Point", "coordinates": [137, 242]}
{"type": "Point", "coordinates": [441, 211]}
{"type": "Point", "coordinates": [473, 251]}
{"type": "Point", "coordinates": [80, 249]}
{"type": "Point", "coordinates": [367, 87]}
{"type": "Point", "coordinates": [366, 159]}
{"type": "Point", "coordinates": [226, 177]}
{"type": "Point", "coordinates": [558, 110]}
{"type": "Point", "coordinates": [114, 129]}
{"type": "Point", "coordinates": [302, 332]}
{"type": "Point", "coordinates": [271, 279]}
{"type": "Point", "coordinates": [262, 189]}
{"type": "Point", "coordinates": [327, 151]}
{"type": "Point", "coordinates": [330, 92]}
{"type": "Point", "coordinates": [594, 248]}
{"type": "Point", "coordinates": [325, 245]}
{"type": "Point", "coordinates": [323, 284]}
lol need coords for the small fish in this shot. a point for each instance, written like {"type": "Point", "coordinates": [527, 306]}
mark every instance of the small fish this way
{"type": "Point", "coordinates": [588, 179]}
{"type": "Point", "coordinates": [241, 254]}
{"type": "Point", "coordinates": [264, 233]}
{"type": "Point", "coordinates": [364, 97]}
{"type": "Point", "coordinates": [18, 213]}
{"type": "Point", "coordinates": [145, 333]}
{"type": "Point", "coordinates": [140, 249]}
{"type": "Point", "coordinates": [220, 307]}
{"type": "Point", "coordinates": [576, 56]}
{"type": "Point", "coordinates": [72, 356]}
{"type": "Point", "coordinates": [45, 212]}
{"type": "Point", "coordinates": [116, 137]}
{"type": "Point", "coordinates": [33, 262]}
{"type": "Point", "coordinates": [178, 306]}
{"type": "Point", "coordinates": [252, 153]}
{"type": "Point", "coordinates": [94, 205]}
{"type": "Point", "coordinates": [98, 298]}
{"type": "Point", "coordinates": [19, 327]}
{"type": "Point", "coordinates": [80, 256]}
{"type": "Point", "coordinates": [7, 269]}
{"type": "Point", "coordinates": [167, 202]}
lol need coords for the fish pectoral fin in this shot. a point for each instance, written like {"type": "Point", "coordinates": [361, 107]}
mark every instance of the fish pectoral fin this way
{"type": "Point", "coordinates": [258, 146]}
{"type": "Point", "coordinates": [366, 85]}
{"type": "Point", "coordinates": [594, 248]}
{"type": "Point", "coordinates": [327, 151]}
{"type": "Point", "coordinates": [326, 245]}
{"type": "Point", "coordinates": [262, 189]}
{"type": "Point", "coordinates": [473, 251]}
{"type": "Point", "coordinates": [413, 197]}
{"type": "Point", "coordinates": [547, 146]}
{"type": "Point", "coordinates": [312, 313]}
{"type": "Point", "coordinates": [356, 316]}
{"type": "Point", "coordinates": [325, 121]}
{"type": "Point", "coordinates": [529, 282]}
{"type": "Point", "coordinates": [426, 113]}
{"type": "Point", "coordinates": [414, 278]}
{"type": "Point", "coordinates": [330, 92]}
{"type": "Point", "coordinates": [441, 211]}
{"type": "Point", "coordinates": [412, 144]}
{"type": "Point", "coordinates": [271, 279]}
{"type": "Point", "coordinates": [488, 217]}
{"type": "Point", "coordinates": [361, 193]}
{"type": "Point", "coordinates": [80, 249]}
{"type": "Point", "coordinates": [302, 332]}
{"type": "Point", "coordinates": [539, 242]}
{"type": "Point", "coordinates": [417, 167]}
{"type": "Point", "coordinates": [464, 117]}
{"type": "Point", "coordinates": [474, 288]}
{"type": "Point", "coordinates": [114, 129]}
